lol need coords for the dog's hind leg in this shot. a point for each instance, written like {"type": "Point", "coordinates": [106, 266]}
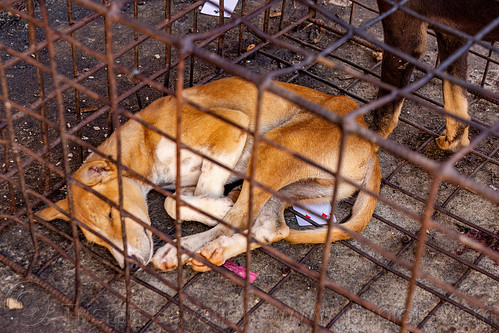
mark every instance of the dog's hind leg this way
{"type": "Point", "coordinates": [407, 34]}
{"type": "Point", "coordinates": [455, 135]}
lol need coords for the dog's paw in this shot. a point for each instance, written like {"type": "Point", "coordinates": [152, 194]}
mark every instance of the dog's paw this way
{"type": "Point", "coordinates": [213, 252]}
{"type": "Point", "coordinates": [444, 143]}
{"type": "Point", "coordinates": [165, 258]}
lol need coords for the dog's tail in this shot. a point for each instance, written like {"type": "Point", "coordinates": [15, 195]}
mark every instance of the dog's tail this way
{"type": "Point", "coordinates": [362, 211]}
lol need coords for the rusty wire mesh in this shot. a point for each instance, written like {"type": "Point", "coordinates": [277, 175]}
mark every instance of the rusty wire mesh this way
{"type": "Point", "coordinates": [71, 72]}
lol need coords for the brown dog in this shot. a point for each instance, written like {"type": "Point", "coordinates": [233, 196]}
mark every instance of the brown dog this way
{"type": "Point", "coordinates": [408, 34]}
{"type": "Point", "coordinates": [154, 157]}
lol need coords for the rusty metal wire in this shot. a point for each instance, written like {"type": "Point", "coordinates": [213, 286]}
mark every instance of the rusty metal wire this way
{"type": "Point", "coordinates": [99, 82]}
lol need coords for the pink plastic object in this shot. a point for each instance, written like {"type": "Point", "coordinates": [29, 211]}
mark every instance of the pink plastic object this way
{"type": "Point", "coordinates": [240, 270]}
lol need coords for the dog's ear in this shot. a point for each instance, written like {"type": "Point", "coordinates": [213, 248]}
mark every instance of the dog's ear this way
{"type": "Point", "coordinates": [51, 213]}
{"type": "Point", "coordinates": [96, 172]}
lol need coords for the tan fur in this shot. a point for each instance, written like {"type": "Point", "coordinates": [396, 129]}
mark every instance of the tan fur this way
{"type": "Point", "coordinates": [152, 156]}
{"type": "Point", "coordinates": [454, 102]}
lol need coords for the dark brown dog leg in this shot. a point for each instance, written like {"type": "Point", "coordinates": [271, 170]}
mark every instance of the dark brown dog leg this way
{"type": "Point", "coordinates": [456, 134]}
{"type": "Point", "coordinates": [408, 35]}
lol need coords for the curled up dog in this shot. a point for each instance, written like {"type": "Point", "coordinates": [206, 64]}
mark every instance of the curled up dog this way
{"type": "Point", "coordinates": [202, 182]}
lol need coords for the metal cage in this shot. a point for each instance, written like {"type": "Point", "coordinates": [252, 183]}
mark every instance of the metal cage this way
{"type": "Point", "coordinates": [71, 72]}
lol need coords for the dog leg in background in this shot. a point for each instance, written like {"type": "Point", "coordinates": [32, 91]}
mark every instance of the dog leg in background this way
{"type": "Point", "coordinates": [455, 135]}
{"type": "Point", "coordinates": [407, 34]}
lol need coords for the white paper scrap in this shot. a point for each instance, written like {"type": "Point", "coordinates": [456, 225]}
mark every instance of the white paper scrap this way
{"type": "Point", "coordinates": [319, 213]}
{"type": "Point", "coordinates": [214, 10]}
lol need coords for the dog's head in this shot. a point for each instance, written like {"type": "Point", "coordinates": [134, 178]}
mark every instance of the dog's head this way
{"type": "Point", "coordinates": [102, 217]}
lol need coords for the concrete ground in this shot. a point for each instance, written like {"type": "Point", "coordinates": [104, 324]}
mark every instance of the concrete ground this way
{"type": "Point", "coordinates": [218, 302]}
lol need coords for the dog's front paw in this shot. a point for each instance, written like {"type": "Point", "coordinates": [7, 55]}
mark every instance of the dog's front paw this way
{"type": "Point", "coordinates": [213, 252]}
{"type": "Point", "coordinates": [166, 258]}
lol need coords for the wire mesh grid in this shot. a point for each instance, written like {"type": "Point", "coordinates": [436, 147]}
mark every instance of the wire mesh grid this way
{"type": "Point", "coordinates": [72, 72]}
